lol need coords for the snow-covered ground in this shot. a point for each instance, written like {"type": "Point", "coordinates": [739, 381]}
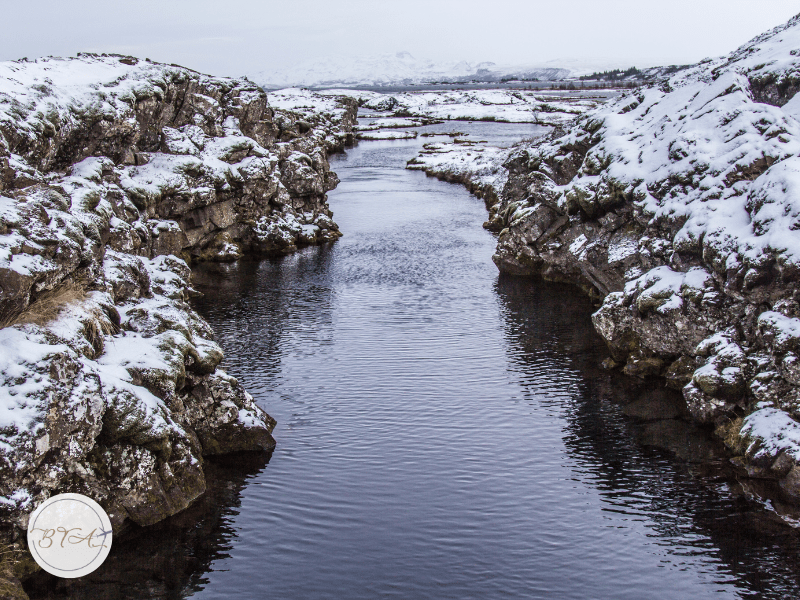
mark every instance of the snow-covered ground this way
{"type": "Point", "coordinates": [476, 165]}
{"type": "Point", "coordinates": [387, 135]}
{"type": "Point", "coordinates": [510, 106]}
{"type": "Point", "coordinates": [394, 123]}
{"type": "Point", "coordinates": [305, 101]}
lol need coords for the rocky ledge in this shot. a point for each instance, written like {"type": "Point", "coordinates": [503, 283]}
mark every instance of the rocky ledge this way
{"type": "Point", "coordinates": [475, 165]}
{"type": "Point", "coordinates": [114, 174]}
{"type": "Point", "coordinates": [679, 206]}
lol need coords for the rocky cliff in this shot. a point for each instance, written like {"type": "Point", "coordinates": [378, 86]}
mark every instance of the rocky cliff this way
{"type": "Point", "coordinates": [679, 206]}
{"type": "Point", "coordinates": [114, 174]}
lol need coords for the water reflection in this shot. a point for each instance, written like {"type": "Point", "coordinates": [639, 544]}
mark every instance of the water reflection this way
{"type": "Point", "coordinates": [632, 442]}
{"type": "Point", "coordinates": [270, 304]}
{"type": "Point", "coordinates": [169, 560]}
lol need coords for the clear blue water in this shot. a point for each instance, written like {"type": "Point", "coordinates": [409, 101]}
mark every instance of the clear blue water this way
{"type": "Point", "coordinates": [445, 431]}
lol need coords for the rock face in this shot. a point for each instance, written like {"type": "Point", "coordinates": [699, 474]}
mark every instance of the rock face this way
{"type": "Point", "coordinates": [679, 206]}
{"type": "Point", "coordinates": [114, 173]}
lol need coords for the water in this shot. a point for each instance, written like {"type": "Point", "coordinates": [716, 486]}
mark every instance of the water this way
{"type": "Point", "coordinates": [444, 432]}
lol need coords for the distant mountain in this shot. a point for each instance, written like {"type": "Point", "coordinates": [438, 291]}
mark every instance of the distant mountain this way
{"type": "Point", "coordinates": [397, 70]}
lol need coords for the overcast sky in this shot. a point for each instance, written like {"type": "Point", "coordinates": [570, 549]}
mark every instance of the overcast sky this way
{"type": "Point", "coordinates": [235, 37]}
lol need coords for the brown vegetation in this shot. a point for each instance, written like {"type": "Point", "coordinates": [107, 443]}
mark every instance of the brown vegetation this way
{"type": "Point", "coordinates": [49, 305]}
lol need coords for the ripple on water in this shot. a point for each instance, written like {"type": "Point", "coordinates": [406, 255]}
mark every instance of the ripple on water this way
{"type": "Point", "coordinates": [445, 432]}
{"type": "Point", "coordinates": [450, 433]}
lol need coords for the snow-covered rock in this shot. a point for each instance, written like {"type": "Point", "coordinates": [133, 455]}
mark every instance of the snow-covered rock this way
{"type": "Point", "coordinates": [505, 106]}
{"type": "Point", "coordinates": [116, 395]}
{"type": "Point", "coordinates": [679, 204]}
{"type": "Point", "coordinates": [114, 173]}
{"type": "Point", "coordinates": [477, 166]}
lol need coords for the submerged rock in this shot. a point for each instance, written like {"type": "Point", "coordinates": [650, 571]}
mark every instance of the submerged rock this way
{"type": "Point", "coordinates": [677, 205]}
{"type": "Point", "coordinates": [114, 174]}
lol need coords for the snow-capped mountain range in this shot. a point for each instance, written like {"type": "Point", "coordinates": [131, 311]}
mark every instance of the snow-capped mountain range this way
{"type": "Point", "coordinates": [397, 69]}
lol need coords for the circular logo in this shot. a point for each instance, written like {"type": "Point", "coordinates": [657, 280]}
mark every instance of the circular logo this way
{"type": "Point", "coordinates": [69, 535]}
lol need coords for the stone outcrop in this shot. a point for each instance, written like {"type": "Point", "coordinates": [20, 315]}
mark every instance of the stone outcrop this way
{"type": "Point", "coordinates": [114, 174]}
{"type": "Point", "coordinates": [677, 205]}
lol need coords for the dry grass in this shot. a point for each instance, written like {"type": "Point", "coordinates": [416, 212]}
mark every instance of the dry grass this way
{"type": "Point", "coordinates": [96, 321]}
{"type": "Point", "coordinates": [49, 305]}
{"type": "Point", "coordinates": [95, 329]}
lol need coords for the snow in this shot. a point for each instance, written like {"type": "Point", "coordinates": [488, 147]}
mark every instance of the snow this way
{"type": "Point", "coordinates": [662, 284]}
{"type": "Point", "coordinates": [391, 123]}
{"type": "Point", "coordinates": [20, 497]}
{"type": "Point", "coordinates": [784, 331]}
{"type": "Point", "coordinates": [132, 350]}
{"type": "Point", "coordinates": [577, 245]}
{"type": "Point", "coordinates": [510, 106]}
{"type": "Point", "coordinates": [27, 264]}
{"type": "Point", "coordinates": [792, 107]}
{"type": "Point", "coordinates": [305, 101]}
{"type": "Point", "coordinates": [396, 69]}
{"type": "Point", "coordinates": [21, 375]}
{"type": "Point", "coordinates": [775, 431]}
{"type": "Point", "coordinates": [249, 419]}
{"type": "Point", "coordinates": [387, 135]}
{"type": "Point", "coordinates": [480, 164]}
{"type": "Point", "coordinates": [621, 250]}
{"type": "Point", "coordinates": [666, 289]}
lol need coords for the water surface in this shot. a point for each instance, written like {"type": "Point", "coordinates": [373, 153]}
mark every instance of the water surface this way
{"type": "Point", "coordinates": [446, 432]}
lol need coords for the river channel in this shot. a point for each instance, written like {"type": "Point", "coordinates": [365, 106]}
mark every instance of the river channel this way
{"type": "Point", "coordinates": [445, 431]}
